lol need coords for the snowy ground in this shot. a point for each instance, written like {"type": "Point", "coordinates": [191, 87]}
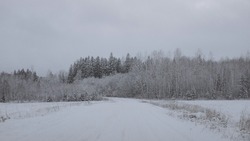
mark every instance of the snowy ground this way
{"type": "Point", "coordinates": [113, 120]}
{"type": "Point", "coordinates": [27, 110]}
{"type": "Point", "coordinates": [232, 108]}
{"type": "Point", "coordinates": [230, 118]}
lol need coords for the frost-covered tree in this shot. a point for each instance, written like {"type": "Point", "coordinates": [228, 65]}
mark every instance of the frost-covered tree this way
{"type": "Point", "coordinates": [245, 85]}
{"type": "Point", "coordinates": [97, 68]}
{"type": "Point", "coordinates": [5, 91]}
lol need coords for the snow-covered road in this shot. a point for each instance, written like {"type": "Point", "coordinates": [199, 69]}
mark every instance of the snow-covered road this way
{"type": "Point", "coordinates": [114, 120]}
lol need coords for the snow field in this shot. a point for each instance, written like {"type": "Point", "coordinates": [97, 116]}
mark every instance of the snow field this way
{"type": "Point", "coordinates": [232, 118]}
{"type": "Point", "coordinates": [232, 108]}
{"type": "Point", "coordinates": [27, 110]}
{"type": "Point", "coordinates": [117, 119]}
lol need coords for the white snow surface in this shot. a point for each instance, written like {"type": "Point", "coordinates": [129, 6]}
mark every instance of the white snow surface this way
{"type": "Point", "coordinates": [26, 110]}
{"type": "Point", "coordinates": [114, 120]}
{"type": "Point", "coordinates": [232, 108]}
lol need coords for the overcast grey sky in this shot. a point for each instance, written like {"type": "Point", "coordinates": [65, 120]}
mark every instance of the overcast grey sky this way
{"type": "Point", "coordinates": [52, 34]}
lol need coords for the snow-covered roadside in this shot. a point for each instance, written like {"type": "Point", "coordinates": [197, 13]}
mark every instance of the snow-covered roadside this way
{"type": "Point", "coordinates": [27, 110]}
{"type": "Point", "coordinates": [222, 116]}
{"type": "Point", "coordinates": [232, 108]}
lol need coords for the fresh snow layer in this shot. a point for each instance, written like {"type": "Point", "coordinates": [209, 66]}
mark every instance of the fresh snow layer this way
{"type": "Point", "coordinates": [232, 108]}
{"type": "Point", "coordinates": [113, 120]}
{"type": "Point", "coordinates": [26, 110]}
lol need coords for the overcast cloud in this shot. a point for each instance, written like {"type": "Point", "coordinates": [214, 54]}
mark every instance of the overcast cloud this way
{"type": "Point", "coordinates": [52, 34]}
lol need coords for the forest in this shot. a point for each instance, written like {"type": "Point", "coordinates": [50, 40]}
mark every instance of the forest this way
{"type": "Point", "coordinates": [156, 76]}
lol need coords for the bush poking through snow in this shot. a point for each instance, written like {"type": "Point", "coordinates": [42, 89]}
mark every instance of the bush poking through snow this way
{"type": "Point", "coordinates": [213, 115]}
{"type": "Point", "coordinates": [49, 99]}
{"type": "Point", "coordinates": [244, 123]}
{"type": "Point", "coordinates": [28, 110]}
{"type": "Point", "coordinates": [234, 128]}
{"type": "Point", "coordinates": [4, 118]}
{"type": "Point", "coordinates": [200, 114]}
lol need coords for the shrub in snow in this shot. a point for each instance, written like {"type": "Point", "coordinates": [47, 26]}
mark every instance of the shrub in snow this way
{"type": "Point", "coordinates": [4, 118]}
{"type": "Point", "coordinates": [190, 95]}
{"type": "Point", "coordinates": [73, 97]}
{"type": "Point", "coordinates": [83, 97]}
{"type": "Point", "coordinates": [244, 123]}
{"type": "Point", "coordinates": [217, 117]}
{"type": "Point", "coordinates": [2, 99]}
{"type": "Point", "coordinates": [200, 114]}
{"type": "Point", "coordinates": [49, 99]}
{"type": "Point", "coordinates": [65, 97]}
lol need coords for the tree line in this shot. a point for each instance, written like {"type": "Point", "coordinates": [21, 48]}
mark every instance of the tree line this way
{"type": "Point", "coordinates": [154, 76]}
{"type": "Point", "coordinates": [182, 77]}
{"type": "Point", "coordinates": [25, 85]}
{"type": "Point", "coordinates": [99, 67]}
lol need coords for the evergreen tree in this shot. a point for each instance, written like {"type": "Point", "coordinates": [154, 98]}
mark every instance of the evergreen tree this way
{"type": "Point", "coordinates": [127, 64]}
{"type": "Point", "coordinates": [92, 65]}
{"type": "Point", "coordinates": [244, 86]}
{"type": "Point", "coordinates": [104, 67]}
{"type": "Point", "coordinates": [5, 92]}
{"type": "Point", "coordinates": [70, 75]}
{"type": "Point", "coordinates": [97, 68]}
{"type": "Point", "coordinates": [111, 64]}
{"type": "Point", "coordinates": [34, 76]}
{"type": "Point", "coordinates": [218, 83]}
{"type": "Point", "coordinates": [118, 66]}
